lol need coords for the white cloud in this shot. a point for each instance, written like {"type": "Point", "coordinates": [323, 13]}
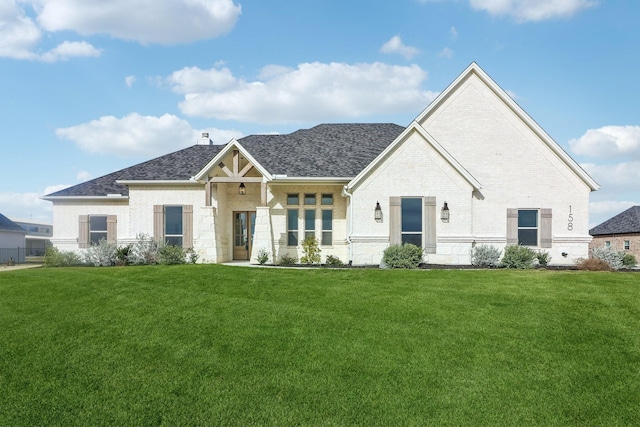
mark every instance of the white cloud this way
{"type": "Point", "coordinates": [395, 45]}
{"type": "Point", "coordinates": [194, 79]}
{"type": "Point", "coordinates": [446, 53]}
{"type": "Point", "coordinates": [18, 33]}
{"type": "Point", "coordinates": [28, 205]}
{"type": "Point", "coordinates": [453, 32]}
{"type": "Point", "coordinates": [68, 50]}
{"type": "Point", "coordinates": [19, 36]}
{"type": "Point", "coordinates": [608, 142]}
{"type": "Point", "coordinates": [136, 135]}
{"type": "Point", "coordinates": [532, 10]}
{"type": "Point", "coordinates": [84, 176]}
{"type": "Point", "coordinates": [312, 92]}
{"type": "Point", "coordinates": [144, 21]}
{"type": "Point", "coordinates": [615, 178]}
{"type": "Point", "coordinates": [130, 80]}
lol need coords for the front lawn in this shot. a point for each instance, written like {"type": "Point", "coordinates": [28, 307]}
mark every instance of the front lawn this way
{"type": "Point", "coordinates": [218, 345]}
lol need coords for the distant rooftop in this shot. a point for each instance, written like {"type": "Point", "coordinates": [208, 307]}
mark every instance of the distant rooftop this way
{"type": "Point", "coordinates": [623, 223]}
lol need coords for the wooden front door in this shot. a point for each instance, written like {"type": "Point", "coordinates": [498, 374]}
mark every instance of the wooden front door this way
{"type": "Point", "coordinates": [244, 224]}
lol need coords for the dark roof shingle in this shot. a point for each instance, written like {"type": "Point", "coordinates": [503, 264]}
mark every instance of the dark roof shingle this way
{"type": "Point", "coordinates": [327, 150]}
{"type": "Point", "coordinates": [7, 225]}
{"type": "Point", "coordinates": [623, 223]}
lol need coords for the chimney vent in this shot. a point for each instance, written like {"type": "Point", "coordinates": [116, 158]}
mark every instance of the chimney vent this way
{"type": "Point", "coordinates": [205, 140]}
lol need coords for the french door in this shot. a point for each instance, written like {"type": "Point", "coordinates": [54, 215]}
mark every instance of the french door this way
{"type": "Point", "coordinates": [244, 224]}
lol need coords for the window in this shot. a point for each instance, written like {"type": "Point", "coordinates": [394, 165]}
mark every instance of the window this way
{"type": "Point", "coordinates": [309, 199]}
{"type": "Point", "coordinates": [97, 228]}
{"type": "Point", "coordinates": [528, 227]}
{"type": "Point", "coordinates": [173, 225]}
{"type": "Point", "coordinates": [327, 199]}
{"type": "Point", "coordinates": [411, 229]}
{"type": "Point", "coordinates": [327, 227]}
{"type": "Point", "coordinates": [627, 245]}
{"type": "Point", "coordinates": [292, 227]}
{"type": "Point", "coordinates": [607, 244]}
{"type": "Point", "coordinates": [293, 199]}
{"type": "Point", "coordinates": [309, 223]}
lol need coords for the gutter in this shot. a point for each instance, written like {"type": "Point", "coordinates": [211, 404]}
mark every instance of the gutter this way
{"type": "Point", "coordinates": [345, 193]}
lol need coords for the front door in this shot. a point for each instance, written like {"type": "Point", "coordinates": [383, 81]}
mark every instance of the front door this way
{"type": "Point", "coordinates": [244, 224]}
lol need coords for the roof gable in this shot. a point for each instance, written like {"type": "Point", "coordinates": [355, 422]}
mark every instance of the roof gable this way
{"type": "Point", "coordinates": [475, 70]}
{"type": "Point", "coordinates": [623, 223]}
{"type": "Point", "coordinates": [415, 127]}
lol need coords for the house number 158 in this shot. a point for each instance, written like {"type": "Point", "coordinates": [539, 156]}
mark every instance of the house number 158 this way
{"type": "Point", "coordinates": [570, 220]}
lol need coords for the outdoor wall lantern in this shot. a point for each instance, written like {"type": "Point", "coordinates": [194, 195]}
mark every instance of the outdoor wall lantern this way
{"type": "Point", "coordinates": [242, 190]}
{"type": "Point", "coordinates": [378, 212]}
{"type": "Point", "coordinates": [444, 213]}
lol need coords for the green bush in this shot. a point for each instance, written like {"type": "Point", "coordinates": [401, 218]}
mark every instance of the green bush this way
{"type": "Point", "coordinates": [288, 260]}
{"type": "Point", "coordinates": [170, 254]}
{"type": "Point", "coordinates": [334, 261]}
{"type": "Point", "coordinates": [191, 256]}
{"type": "Point", "coordinates": [263, 256]}
{"type": "Point", "coordinates": [101, 255]}
{"type": "Point", "coordinates": [608, 255]}
{"type": "Point", "coordinates": [311, 251]}
{"type": "Point", "coordinates": [122, 255]}
{"type": "Point", "coordinates": [144, 251]}
{"type": "Point", "coordinates": [53, 257]}
{"type": "Point", "coordinates": [543, 258]}
{"type": "Point", "coordinates": [485, 256]}
{"type": "Point", "coordinates": [516, 256]}
{"type": "Point", "coordinates": [402, 256]}
{"type": "Point", "coordinates": [629, 260]}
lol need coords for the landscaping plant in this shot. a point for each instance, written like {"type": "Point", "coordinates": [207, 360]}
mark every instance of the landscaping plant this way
{"type": "Point", "coordinates": [517, 256]}
{"type": "Point", "coordinates": [485, 256]}
{"type": "Point", "coordinates": [403, 256]}
{"type": "Point", "coordinates": [311, 251]}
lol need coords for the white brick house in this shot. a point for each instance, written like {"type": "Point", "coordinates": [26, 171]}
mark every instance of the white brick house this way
{"type": "Point", "coordinates": [473, 168]}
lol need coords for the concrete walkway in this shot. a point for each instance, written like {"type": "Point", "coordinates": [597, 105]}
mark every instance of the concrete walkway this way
{"type": "Point", "coordinates": [18, 267]}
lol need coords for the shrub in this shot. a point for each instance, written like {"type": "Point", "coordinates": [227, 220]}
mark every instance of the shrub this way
{"type": "Point", "coordinates": [171, 254]}
{"type": "Point", "coordinates": [122, 255]}
{"type": "Point", "coordinates": [288, 260]}
{"type": "Point", "coordinates": [485, 256]}
{"type": "Point", "coordinates": [516, 256]}
{"type": "Point", "coordinates": [334, 261]}
{"type": "Point", "coordinates": [101, 255]}
{"type": "Point", "coordinates": [191, 256]}
{"type": "Point", "coordinates": [311, 251]}
{"type": "Point", "coordinates": [263, 256]}
{"type": "Point", "coordinates": [608, 255]}
{"type": "Point", "coordinates": [543, 258]}
{"type": "Point", "coordinates": [592, 264]}
{"type": "Point", "coordinates": [402, 256]}
{"type": "Point", "coordinates": [53, 257]}
{"type": "Point", "coordinates": [629, 260]}
{"type": "Point", "coordinates": [143, 251]}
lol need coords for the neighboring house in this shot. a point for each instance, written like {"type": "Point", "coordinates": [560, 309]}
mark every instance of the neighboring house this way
{"type": "Point", "coordinates": [472, 169]}
{"type": "Point", "coordinates": [621, 233]}
{"type": "Point", "coordinates": [12, 241]}
{"type": "Point", "coordinates": [38, 236]}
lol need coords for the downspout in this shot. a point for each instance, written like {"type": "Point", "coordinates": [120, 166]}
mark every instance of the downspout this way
{"type": "Point", "coordinates": [345, 193]}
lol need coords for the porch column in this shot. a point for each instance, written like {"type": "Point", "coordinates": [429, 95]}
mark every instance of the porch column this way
{"type": "Point", "coordinates": [205, 235]}
{"type": "Point", "coordinates": [263, 234]}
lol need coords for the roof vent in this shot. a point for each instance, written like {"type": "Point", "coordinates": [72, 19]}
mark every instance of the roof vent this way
{"type": "Point", "coordinates": [205, 140]}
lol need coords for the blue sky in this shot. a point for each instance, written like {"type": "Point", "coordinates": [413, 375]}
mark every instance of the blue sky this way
{"type": "Point", "coordinates": [92, 86]}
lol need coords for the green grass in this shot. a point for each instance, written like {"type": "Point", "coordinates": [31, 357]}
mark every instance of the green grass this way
{"type": "Point", "coordinates": [218, 345]}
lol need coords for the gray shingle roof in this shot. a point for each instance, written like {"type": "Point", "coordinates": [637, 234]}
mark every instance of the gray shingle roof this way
{"type": "Point", "coordinates": [327, 150]}
{"type": "Point", "coordinates": [179, 165]}
{"type": "Point", "coordinates": [623, 223]}
{"type": "Point", "coordinates": [7, 225]}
